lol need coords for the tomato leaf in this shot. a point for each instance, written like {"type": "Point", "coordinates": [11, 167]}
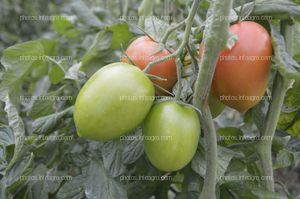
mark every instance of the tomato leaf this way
{"type": "Point", "coordinates": [276, 8]}
{"type": "Point", "coordinates": [120, 35]}
{"type": "Point", "coordinates": [156, 27]}
{"type": "Point", "coordinates": [16, 175]}
{"type": "Point", "coordinates": [85, 15]}
{"type": "Point", "coordinates": [224, 157]}
{"type": "Point", "coordinates": [286, 158]}
{"type": "Point", "coordinates": [67, 189]}
{"type": "Point", "coordinates": [6, 136]}
{"type": "Point", "coordinates": [65, 27]}
{"type": "Point", "coordinates": [98, 49]}
{"type": "Point", "coordinates": [287, 66]}
{"type": "Point", "coordinates": [56, 74]}
{"type": "Point", "coordinates": [248, 189]}
{"type": "Point", "coordinates": [99, 184]}
{"type": "Point", "coordinates": [117, 154]}
{"type": "Point", "coordinates": [47, 123]}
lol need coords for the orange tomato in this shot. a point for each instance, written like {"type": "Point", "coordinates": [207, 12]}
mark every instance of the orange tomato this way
{"type": "Point", "coordinates": [242, 72]}
{"type": "Point", "coordinates": [142, 51]}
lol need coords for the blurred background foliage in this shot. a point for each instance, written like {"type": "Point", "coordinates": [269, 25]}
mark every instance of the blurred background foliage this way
{"type": "Point", "coordinates": [94, 33]}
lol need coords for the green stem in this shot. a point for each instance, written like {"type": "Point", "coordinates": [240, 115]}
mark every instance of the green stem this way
{"type": "Point", "coordinates": [145, 10]}
{"type": "Point", "coordinates": [215, 41]}
{"type": "Point", "coordinates": [188, 26]}
{"type": "Point", "coordinates": [280, 87]}
{"type": "Point", "coordinates": [169, 31]}
{"type": "Point", "coordinates": [178, 71]}
{"type": "Point", "coordinates": [265, 145]}
{"type": "Point", "coordinates": [126, 8]}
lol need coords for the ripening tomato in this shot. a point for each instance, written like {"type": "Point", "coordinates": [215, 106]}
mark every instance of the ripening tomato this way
{"type": "Point", "coordinates": [242, 72]}
{"type": "Point", "coordinates": [115, 100]}
{"type": "Point", "coordinates": [142, 51]}
{"type": "Point", "coordinates": [172, 133]}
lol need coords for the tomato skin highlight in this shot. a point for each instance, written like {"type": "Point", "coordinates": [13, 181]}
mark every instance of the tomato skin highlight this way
{"type": "Point", "coordinates": [108, 105]}
{"type": "Point", "coordinates": [142, 51]}
{"type": "Point", "coordinates": [177, 128]}
{"type": "Point", "coordinates": [241, 75]}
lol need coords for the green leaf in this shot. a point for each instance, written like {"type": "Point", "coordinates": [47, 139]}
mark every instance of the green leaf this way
{"type": "Point", "coordinates": [36, 188]}
{"type": "Point", "coordinates": [120, 35]}
{"type": "Point", "coordinates": [85, 15]}
{"type": "Point", "coordinates": [117, 154]}
{"type": "Point", "coordinates": [64, 27]}
{"type": "Point", "coordinates": [294, 145]}
{"type": "Point", "coordinates": [6, 136]}
{"type": "Point", "coordinates": [279, 143]}
{"type": "Point", "coordinates": [224, 157]}
{"type": "Point", "coordinates": [156, 28]}
{"type": "Point", "coordinates": [286, 120]}
{"type": "Point", "coordinates": [68, 189]}
{"type": "Point", "coordinates": [294, 130]}
{"type": "Point", "coordinates": [101, 44]}
{"type": "Point", "coordinates": [248, 189]}
{"type": "Point", "coordinates": [112, 158]}
{"type": "Point", "coordinates": [45, 124]}
{"type": "Point", "coordinates": [279, 9]}
{"type": "Point", "coordinates": [287, 66]}
{"type": "Point", "coordinates": [259, 113]}
{"type": "Point", "coordinates": [230, 135]}
{"type": "Point", "coordinates": [286, 158]}
{"type": "Point", "coordinates": [134, 148]}
{"type": "Point", "coordinates": [17, 174]}
{"type": "Point", "coordinates": [292, 98]}
{"type": "Point", "coordinates": [17, 61]}
{"type": "Point", "coordinates": [99, 184]}
{"type": "Point", "coordinates": [45, 105]}
{"type": "Point", "coordinates": [56, 74]}
{"type": "Point", "coordinates": [16, 124]}
{"type": "Point", "coordinates": [191, 186]}
{"type": "Point", "coordinates": [75, 74]}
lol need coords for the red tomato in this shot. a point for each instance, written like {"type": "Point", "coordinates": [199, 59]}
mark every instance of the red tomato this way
{"type": "Point", "coordinates": [242, 72]}
{"type": "Point", "coordinates": [143, 51]}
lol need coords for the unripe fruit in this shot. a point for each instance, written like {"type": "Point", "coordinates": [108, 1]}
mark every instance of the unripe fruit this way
{"type": "Point", "coordinates": [114, 101]}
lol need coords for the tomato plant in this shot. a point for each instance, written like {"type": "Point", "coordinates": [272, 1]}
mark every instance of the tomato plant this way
{"type": "Point", "coordinates": [144, 50]}
{"type": "Point", "coordinates": [104, 101]}
{"type": "Point", "coordinates": [79, 121]}
{"type": "Point", "coordinates": [172, 134]}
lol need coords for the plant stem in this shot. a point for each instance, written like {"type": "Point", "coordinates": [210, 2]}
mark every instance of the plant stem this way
{"type": "Point", "coordinates": [188, 26]}
{"type": "Point", "coordinates": [215, 41]}
{"type": "Point", "coordinates": [126, 7]}
{"type": "Point", "coordinates": [178, 71]}
{"type": "Point", "coordinates": [169, 31]}
{"type": "Point", "coordinates": [265, 145]}
{"type": "Point", "coordinates": [280, 87]}
{"type": "Point", "coordinates": [145, 9]}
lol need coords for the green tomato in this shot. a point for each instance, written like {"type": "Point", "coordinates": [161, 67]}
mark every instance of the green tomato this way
{"type": "Point", "coordinates": [215, 105]}
{"type": "Point", "coordinates": [172, 133]}
{"type": "Point", "coordinates": [114, 101]}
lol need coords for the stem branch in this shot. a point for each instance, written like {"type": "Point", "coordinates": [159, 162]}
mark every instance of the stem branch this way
{"type": "Point", "coordinates": [145, 9]}
{"type": "Point", "coordinates": [178, 71]}
{"type": "Point", "coordinates": [265, 145]}
{"type": "Point", "coordinates": [170, 30]}
{"type": "Point", "coordinates": [215, 41]}
{"type": "Point", "coordinates": [280, 87]}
